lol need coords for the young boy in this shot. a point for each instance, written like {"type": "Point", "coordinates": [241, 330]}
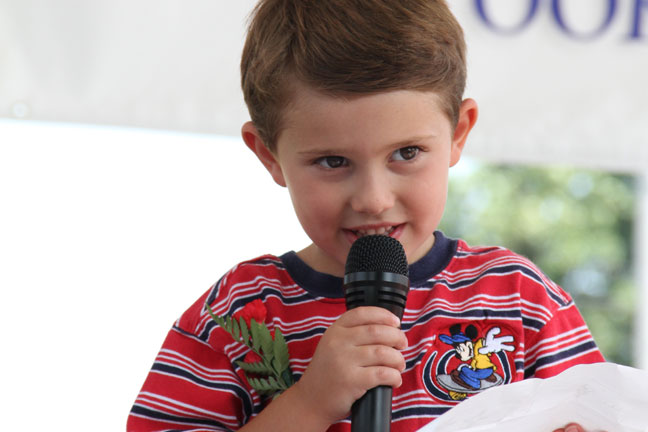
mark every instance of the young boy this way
{"type": "Point", "coordinates": [357, 110]}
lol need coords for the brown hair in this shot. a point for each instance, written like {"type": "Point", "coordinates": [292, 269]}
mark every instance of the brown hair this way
{"type": "Point", "coordinates": [343, 47]}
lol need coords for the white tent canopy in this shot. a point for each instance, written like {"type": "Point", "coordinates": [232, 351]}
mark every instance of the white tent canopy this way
{"type": "Point", "coordinates": [546, 96]}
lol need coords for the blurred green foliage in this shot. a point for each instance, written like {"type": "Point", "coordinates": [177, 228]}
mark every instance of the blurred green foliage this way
{"type": "Point", "coordinates": [575, 224]}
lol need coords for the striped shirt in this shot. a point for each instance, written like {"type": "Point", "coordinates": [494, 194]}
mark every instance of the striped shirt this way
{"type": "Point", "coordinates": [476, 317]}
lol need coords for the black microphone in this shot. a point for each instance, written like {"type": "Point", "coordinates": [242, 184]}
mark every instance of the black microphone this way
{"type": "Point", "coordinates": [376, 274]}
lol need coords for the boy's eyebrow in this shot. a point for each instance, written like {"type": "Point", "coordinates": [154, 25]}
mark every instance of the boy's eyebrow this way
{"type": "Point", "coordinates": [398, 144]}
{"type": "Point", "coordinates": [413, 140]}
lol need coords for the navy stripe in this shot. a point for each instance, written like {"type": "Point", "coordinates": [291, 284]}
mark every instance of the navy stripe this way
{"type": "Point", "coordinates": [177, 371]}
{"type": "Point", "coordinates": [500, 270]}
{"type": "Point", "coordinates": [261, 262]}
{"type": "Point", "coordinates": [519, 366]}
{"type": "Point", "coordinates": [533, 323]}
{"type": "Point", "coordinates": [484, 251]}
{"type": "Point", "coordinates": [307, 334]}
{"type": "Point", "coordinates": [293, 336]}
{"type": "Point", "coordinates": [157, 415]}
{"type": "Point", "coordinates": [506, 366]}
{"type": "Point", "coordinates": [192, 336]}
{"type": "Point", "coordinates": [547, 360]}
{"type": "Point", "coordinates": [214, 291]}
{"type": "Point", "coordinates": [419, 412]}
{"type": "Point", "coordinates": [265, 261]}
{"type": "Point", "coordinates": [262, 295]}
{"type": "Point", "coordinates": [412, 363]}
{"type": "Point", "coordinates": [468, 314]}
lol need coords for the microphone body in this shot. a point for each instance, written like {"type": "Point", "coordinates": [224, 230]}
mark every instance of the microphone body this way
{"type": "Point", "coordinates": [375, 275]}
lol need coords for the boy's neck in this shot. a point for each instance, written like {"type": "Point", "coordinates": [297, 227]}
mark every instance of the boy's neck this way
{"type": "Point", "coordinates": [316, 259]}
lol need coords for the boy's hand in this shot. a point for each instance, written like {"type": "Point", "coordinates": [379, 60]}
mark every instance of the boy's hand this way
{"type": "Point", "coordinates": [571, 427]}
{"type": "Point", "coordinates": [358, 352]}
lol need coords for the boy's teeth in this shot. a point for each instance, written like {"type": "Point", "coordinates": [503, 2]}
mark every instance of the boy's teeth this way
{"type": "Point", "coordinates": [372, 231]}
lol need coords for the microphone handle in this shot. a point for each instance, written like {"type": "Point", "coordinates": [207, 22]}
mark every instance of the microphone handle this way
{"type": "Point", "coordinates": [372, 412]}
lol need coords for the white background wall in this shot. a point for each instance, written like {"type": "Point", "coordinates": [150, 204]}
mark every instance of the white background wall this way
{"type": "Point", "coordinates": [107, 235]}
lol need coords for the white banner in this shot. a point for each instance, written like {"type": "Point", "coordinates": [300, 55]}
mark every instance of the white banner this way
{"type": "Point", "coordinates": [558, 81]}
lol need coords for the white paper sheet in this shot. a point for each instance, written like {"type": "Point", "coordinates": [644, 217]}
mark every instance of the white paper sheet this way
{"type": "Point", "coordinates": [600, 397]}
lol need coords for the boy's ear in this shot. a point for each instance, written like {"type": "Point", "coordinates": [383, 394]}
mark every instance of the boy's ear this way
{"type": "Point", "coordinates": [268, 159]}
{"type": "Point", "coordinates": [467, 119]}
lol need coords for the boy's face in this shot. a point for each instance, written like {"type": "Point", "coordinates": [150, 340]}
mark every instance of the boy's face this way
{"type": "Point", "coordinates": [371, 164]}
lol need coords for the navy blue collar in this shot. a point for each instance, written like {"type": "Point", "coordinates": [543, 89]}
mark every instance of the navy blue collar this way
{"type": "Point", "coordinates": [326, 285]}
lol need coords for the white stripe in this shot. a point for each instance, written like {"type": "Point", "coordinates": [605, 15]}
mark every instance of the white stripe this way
{"type": "Point", "coordinates": [211, 388]}
{"type": "Point", "coordinates": [511, 299]}
{"type": "Point", "coordinates": [175, 406]}
{"type": "Point", "coordinates": [535, 353]}
{"type": "Point", "coordinates": [567, 359]}
{"type": "Point", "coordinates": [212, 375]}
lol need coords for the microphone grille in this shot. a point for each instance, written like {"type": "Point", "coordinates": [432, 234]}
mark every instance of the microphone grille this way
{"type": "Point", "coordinates": [376, 253]}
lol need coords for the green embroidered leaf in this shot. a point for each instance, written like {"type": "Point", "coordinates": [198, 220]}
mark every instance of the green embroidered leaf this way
{"type": "Point", "coordinates": [287, 378]}
{"type": "Point", "coordinates": [254, 383]}
{"type": "Point", "coordinates": [266, 343]}
{"type": "Point", "coordinates": [244, 330]}
{"type": "Point", "coordinates": [260, 385]}
{"type": "Point", "coordinates": [272, 374]}
{"type": "Point", "coordinates": [280, 350]}
{"type": "Point", "coordinates": [256, 338]}
{"type": "Point", "coordinates": [276, 366]}
{"type": "Point", "coordinates": [265, 385]}
{"type": "Point", "coordinates": [255, 368]}
{"type": "Point", "coordinates": [236, 330]}
{"type": "Point", "coordinates": [273, 383]}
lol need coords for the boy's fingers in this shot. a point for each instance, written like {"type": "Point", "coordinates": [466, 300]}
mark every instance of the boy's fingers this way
{"type": "Point", "coordinates": [571, 427]}
{"type": "Point", "coordinates": [375, 376]}
{"type": "Point", "coordinates": [364, 315]}
{"type": "Point", "coordinates": [379, 334]}
{"type": "Point", "coordinates": [380, 355]}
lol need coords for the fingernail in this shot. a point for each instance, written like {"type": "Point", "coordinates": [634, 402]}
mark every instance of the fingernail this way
{"type": "Point", "coordinates": [571, 428]}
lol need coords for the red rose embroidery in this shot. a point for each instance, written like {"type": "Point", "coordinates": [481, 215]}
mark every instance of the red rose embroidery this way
{"type": "Point", "coordinates": [252, 357]}
{"type": "Point", "coordinates": [255, 309]}
{"type": "Point", "coordinates": [267, 363]}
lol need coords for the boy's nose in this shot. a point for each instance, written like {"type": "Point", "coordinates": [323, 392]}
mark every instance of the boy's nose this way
{"type": "Point", "coordinates": [372, 194]}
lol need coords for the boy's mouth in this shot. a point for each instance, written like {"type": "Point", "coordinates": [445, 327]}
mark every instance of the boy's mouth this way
{"type": "Point", "coordinates": [388, 230]}
{"type": "Point", "coordinates": [374, 231]}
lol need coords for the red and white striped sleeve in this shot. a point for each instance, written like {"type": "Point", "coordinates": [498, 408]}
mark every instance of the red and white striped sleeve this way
{"type": "Point", "coordinates": [191, 386]}
{"type": "Point", "coordinates": [563, 340]}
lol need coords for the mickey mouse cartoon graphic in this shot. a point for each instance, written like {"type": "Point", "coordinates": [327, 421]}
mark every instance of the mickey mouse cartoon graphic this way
{"type": "Point", "coordinates": [477, 373]}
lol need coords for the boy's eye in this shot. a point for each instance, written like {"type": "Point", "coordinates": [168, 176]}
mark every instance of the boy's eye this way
{"type": "Point", "coordinates": [406, 153]}
{"type": "Point", "coordinates": [331, 161]}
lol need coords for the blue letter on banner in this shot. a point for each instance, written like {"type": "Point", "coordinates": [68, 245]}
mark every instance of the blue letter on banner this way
{"type": "Point", "coordinates": [636, 32]}
{"type": "Point", "coordinates": [482, 13]}
{"type": "Point", "coordinates": [555, 5]}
